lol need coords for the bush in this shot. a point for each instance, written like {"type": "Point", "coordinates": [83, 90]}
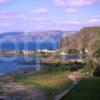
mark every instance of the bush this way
{"type": "Point", "coordinates": [88, 66]}
{"type": "Point", "coordinates": [97, 53]}
{"type": "Point", "coordinates": [74, 66]}
{"type": "Point", "coordinates": [60, 66]}
{"type": "Point", "coordinates": [73, 51]}
{"type": "Point", "coordinates": [97, 71]}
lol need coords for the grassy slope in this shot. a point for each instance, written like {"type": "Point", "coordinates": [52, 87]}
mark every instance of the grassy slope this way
{"type": "Point", "coordinates": [52, 82]}
{"type": "Point", "coordinates": [88, 89]}
{"type": "Point", "coordinates": [87, 68]}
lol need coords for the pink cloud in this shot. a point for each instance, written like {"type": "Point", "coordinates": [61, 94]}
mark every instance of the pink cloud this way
{"type": "Point", "coordinates": [95, 18]}
{"type": "Point", "coordinates": [40, 11]}
{"type": "Point", "coordinates": [4, 1]}
{"type": "Point", "coordinates": [73, 5]}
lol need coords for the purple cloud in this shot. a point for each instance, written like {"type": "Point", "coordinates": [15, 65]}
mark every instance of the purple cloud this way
{"type": "Point", "coordinates": [94, 19]}
{"type": "Point", "coordinates": [74, 5]}
{"type": "Point", "coordinates": [4, 1]}
{"type": "Point", "coordinates": [40, 11]}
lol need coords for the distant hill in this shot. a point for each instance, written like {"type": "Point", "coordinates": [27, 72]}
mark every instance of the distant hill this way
{"type": "Point", "coordinates": [32, 36]}
{"type": "Point", "coordinates": [53, 36]}
{"type": "Point", "coordinates": [31, 40]}
{"type": "Point", "coordinates": [88, 38]}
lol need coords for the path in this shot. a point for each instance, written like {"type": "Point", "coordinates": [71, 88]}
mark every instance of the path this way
{"type": "Point", "coordinates": [75, 78]}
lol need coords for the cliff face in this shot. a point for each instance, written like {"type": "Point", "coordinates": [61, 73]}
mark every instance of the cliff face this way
{"type": "Point", "coordinates": [70, 42]}
{"type": "Point", "coordinates": [88, 38]}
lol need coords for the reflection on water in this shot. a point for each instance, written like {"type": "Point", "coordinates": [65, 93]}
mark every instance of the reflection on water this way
{"type": "Point", "coordinates": [68, 57]}
{"type": "Point", "coordinates": [8, 64]}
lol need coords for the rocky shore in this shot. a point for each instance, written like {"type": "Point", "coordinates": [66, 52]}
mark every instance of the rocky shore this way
{"type": "Point", "coordinates": [10, 90]}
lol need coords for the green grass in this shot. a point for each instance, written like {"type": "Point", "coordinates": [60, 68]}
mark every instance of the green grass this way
{"type": "Point", "coordinates": [5, 90]}
{"type": "Point", "coordinates": [53, 82]}
{"type": "Point", "coordinates": [88, 67]}
{"type": "Point", "coordinates": [88, 89]}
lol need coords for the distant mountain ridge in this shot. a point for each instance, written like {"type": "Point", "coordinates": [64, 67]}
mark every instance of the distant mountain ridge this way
{"type": "Point", "coordinates": [34, 36]}
{"type": "Point", "coordinates": [31, 40]}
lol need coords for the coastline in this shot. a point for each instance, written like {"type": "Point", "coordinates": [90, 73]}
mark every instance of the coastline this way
{"type": "Point", "coordinates": [46, 62]}
{"type": "Point", "coordinates": [28, 71]}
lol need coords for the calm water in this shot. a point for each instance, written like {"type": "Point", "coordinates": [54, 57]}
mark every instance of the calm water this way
{"type": "Point", "coordinates": [8, 64]}
{"type": "Point", "coordinates": [28, 45]}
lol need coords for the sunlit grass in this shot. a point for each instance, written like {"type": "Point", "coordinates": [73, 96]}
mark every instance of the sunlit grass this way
{"type": "Point", "coordinates": [88, 67]}
{"type": "Point", "coordinates": [52, 82]}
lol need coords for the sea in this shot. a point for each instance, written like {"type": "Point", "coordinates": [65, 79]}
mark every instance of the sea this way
{"type": "Point", "coordinates": [10, 64]}
{"type": "Point", "coordinates": [30, 46]}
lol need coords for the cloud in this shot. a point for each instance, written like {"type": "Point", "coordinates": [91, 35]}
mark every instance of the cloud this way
{"type": "Point", "coordinates": [15, 21]}
{"type": "Point", "coordinates": [40, 11]}
{"type": "Point", "coordinates": [18, 21]}
{"type": "Point", "coordinates": [4, 1]}
{"type": "Point", "coordinates": [73, 5]}
{"type": "Point", "coordinates": [70, 22]}
{"type": "Point", "coordinates": [95, 18]}
{"type": "Point", "coordinates": [37, 19]}
{"type": "Point", "coordinates": [19, 17]}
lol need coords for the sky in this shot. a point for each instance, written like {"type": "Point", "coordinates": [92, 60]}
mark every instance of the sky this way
{"type": "Point", "coordinates": [46, 15]}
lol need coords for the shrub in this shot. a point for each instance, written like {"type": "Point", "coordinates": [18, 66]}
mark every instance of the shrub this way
{"type": "Point", "coordinates": [97, 53]}
{"type": "Point", "coordinates": [73, 51]}
{"type": "Point", "coordinates": [97, 71]}
{"type": "Point", "coordinates": [74, 66]}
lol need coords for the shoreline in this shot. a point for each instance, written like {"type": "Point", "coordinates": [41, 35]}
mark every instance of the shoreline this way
{"type": "Point", "coordinates": [30, 70]}
{"type": "Point", "coordinates": [40, 67]}
{"type": "Point", "coordinates": [44, 63]}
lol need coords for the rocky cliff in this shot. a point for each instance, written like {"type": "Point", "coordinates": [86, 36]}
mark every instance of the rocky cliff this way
{"type": "Point", "coordinates": [88, 38]}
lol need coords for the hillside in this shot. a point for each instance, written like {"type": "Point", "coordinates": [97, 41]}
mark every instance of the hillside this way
{"type": "Point", "coordinates": [34, 36]}
{"type": "Point", "coordinates": [88, 38]}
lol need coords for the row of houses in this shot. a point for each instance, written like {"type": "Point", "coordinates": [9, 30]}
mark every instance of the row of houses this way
{"type": "Point", "coordinates": [47, 51]}
{"type": "Point", "coordinates": [27, 52]}
{"type": "Point", "coordinates": [65, 52]}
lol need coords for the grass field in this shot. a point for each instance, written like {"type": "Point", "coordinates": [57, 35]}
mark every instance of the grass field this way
{"type": "Point", "coordinates": [52, 82]}
{"type": "Point", "coordinates": [87, 68]}
{"type": "Point", "coordinates": [88, 89]}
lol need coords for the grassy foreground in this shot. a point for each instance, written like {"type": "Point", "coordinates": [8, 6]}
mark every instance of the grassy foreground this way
{"type": "Point", "coordinates": [88, 89]}
{"type": "Point", "coordinates": [52, 82]}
